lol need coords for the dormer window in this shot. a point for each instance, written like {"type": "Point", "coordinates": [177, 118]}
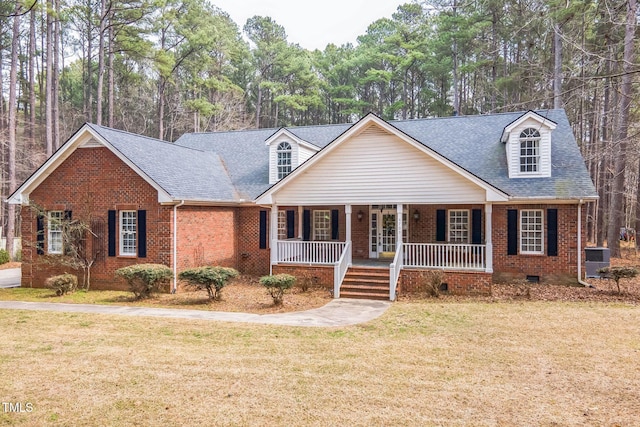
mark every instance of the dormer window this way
{"type": "Point", "coordinates": [284, 159]}
{"type": "Point", "coordinates": [529, 150]}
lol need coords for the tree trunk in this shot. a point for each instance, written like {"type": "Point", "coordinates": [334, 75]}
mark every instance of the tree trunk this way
{"type": "Point", "coordinates": [103, 20]}
{"type": "Point", "coordinates": [55, 95]}
{"type": "Point", "coordinates": [32, 80]}
{"type": "Point", "coordinates": [111, 89]}
{"type": "Point", "coordinates": [49, 85]}
{"type": "Point", "coordinates": [557, 66]}
{"type": "Point", "coordinates": [12, 110]}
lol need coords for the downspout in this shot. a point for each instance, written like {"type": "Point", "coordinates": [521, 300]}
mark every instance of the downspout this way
{"type": "Point", "coordinates": [580, 281]}
{"type": "Point", "coordinates": [175, 246]}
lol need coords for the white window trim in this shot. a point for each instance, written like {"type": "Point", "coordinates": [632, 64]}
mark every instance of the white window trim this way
{"type": "Point", "coordinates": [54, 225]}
{"type": "Point", "coordinates": [282, 225]}
{"type": "Point", "coordinates": [526, 252]}
{"type": "Point", "coordinates": [449, 212]}
{"type": "Point", "coordinates": [121, 233]}
{"type": "Point", "coordinates": [322, 213]}
{"type": "Point", "coordinates": [281, 169]}
{"type": "Point", "coordinates": [535, 138]}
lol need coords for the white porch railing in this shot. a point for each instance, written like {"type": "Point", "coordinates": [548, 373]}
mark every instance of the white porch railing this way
{"type": "Point", "coordinates": [394, 271]}
{"type": "Point", "coordinates": [305, 252]}
{"type": "Point", "coordinates": [340, 269]}
{"type": "Point", "coordinates": [455, 255]}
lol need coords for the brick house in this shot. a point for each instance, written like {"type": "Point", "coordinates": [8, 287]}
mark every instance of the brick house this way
{"type": "Point", "coordinates": [363, 207]}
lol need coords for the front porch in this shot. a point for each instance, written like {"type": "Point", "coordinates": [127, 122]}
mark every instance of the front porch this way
{"type": "Point", "coordinates": [456, 240]}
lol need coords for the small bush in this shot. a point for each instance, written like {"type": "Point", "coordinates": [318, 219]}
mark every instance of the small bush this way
{"type": "Point", "coordinates": [431, 281]}
{"type": "Point", "coordinates": [213, 279]}
{"type": "Point", "coordinates": [277, 285]}
{"type": "Point", "coordinates": [19, 255]}
{"type": "Point", "coordinates": [63, 283]}
{"type": "Point", "coordinates": [305, 281]}
{"type": "Point", "coordinates": [145, 279]}
{"type": "Point", "coordinates": [618, 273]}
{"type": "Point", "coordinates": [4, 256]}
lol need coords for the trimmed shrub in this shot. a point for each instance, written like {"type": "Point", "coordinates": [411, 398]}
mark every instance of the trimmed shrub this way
{"type": "Point", "coordinates": [618, 273]}
{"type": "Point", "coordinates": [4, 256]}
{"type": "Point", "coordinates": [277, 285]}
{"type": "Point", "coordinates": [213, 279]}
{"type": "Point", "coordinates": [145, 279]}
{"type": "Point", "coordinates": [63, 283]}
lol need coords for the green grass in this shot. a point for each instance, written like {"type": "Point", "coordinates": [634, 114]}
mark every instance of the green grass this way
{"type": "Point", "coordinates": [422, 363]}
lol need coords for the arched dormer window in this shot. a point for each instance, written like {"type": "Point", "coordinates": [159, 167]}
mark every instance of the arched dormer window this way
{"type": "Point", "coordinates": [284, 159]}
{"type": "Point", "coordinates": [529, 151]}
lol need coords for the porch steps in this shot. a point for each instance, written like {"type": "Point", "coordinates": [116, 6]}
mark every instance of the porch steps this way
{"type": "Point", "coordinates": [366, 283]}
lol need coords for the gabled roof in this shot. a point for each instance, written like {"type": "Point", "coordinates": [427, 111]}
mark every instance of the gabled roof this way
{"type": "Point", "coordinates": [543, 121]}
{"type": "Point", "coordinates": [178, 173]}
{"type": "Point", "coordinates": [234, 166]}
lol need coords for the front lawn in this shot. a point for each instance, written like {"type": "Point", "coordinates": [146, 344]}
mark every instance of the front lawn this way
{"type": "Point", "coordinates": [439, 362]}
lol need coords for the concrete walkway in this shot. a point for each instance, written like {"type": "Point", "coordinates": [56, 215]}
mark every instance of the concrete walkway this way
{"type": "Point", "coordinates": [340, 312]}
{"type": "Point", "coordinates": [10, 278]}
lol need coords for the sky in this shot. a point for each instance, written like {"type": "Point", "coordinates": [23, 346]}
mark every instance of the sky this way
{"type": "Point", "coordinates": [311, 23]}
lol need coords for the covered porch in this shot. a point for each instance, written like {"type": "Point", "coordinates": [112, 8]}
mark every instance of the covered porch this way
{"type": "Point", "coordinates": [396, 237]}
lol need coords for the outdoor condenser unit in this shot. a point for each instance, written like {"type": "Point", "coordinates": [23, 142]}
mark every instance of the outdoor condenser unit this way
{"type": "Point", "coordinates": [596, 258]}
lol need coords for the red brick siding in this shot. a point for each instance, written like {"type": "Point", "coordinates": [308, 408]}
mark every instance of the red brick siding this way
{"type": "Point", "coordinates": [206, 236]}
{"type": "Point", "coordinates": [91, 182]}
{"type": "Point", "coordinates": [561, 268]}
{"type": "Point", "coordinates": [250, 259]}
{"type": "Point", "coordinates": [322, 274]}
{"type": "Point", "coordinates": [458, 282]}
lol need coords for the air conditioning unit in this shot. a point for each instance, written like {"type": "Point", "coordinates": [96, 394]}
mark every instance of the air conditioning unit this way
{"type": "Point", "coordinates": [596, 258]}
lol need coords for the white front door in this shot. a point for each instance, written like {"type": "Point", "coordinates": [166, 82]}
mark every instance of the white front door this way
{"type": "Point", "coordinates": [382, 230]}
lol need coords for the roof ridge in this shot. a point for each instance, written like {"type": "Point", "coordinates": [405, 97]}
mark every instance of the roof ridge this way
{"type": "Point", "coordinates": [137, 135]}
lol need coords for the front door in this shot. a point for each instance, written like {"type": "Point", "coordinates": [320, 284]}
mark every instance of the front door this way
{"type": "Point", "coordinates": [382, 234]}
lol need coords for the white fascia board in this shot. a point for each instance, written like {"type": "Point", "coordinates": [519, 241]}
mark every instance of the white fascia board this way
{"type": "Point", "coordinates": [21, 195]}
{"type": "Point", "coordinates": [528, 115]}
{"type": "Point", "coordinates": [358, 127]}
{"type": "Point", "coordinates": [285, 132]}
{"type": "Point", "coordinates": [84, 134]}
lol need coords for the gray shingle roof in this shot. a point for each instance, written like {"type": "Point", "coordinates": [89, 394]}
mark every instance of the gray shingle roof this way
{"type": "Point", "coordinates": [184, 173]}
{"type": "Point", "coordinates": [472, 142]}
{"type": "Point", "coordinates": [230, 166]}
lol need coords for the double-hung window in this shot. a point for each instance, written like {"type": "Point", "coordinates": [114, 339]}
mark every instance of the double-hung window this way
{"type": "Point", "coordinates": [529, 151]}
{"type": "Point", "coordinates": [284, 159]}
{"type": "Point", "coordinates": [128, 233]}
{"type": "Point", "coordinates": [322, 225]}
{"type": "Point", "coordinates": [531, 232]}
{"type": "Point", "coordinates": [458, 226]}
{"type": "Point", "coordinates": [54, 232]}
{"type": "Point", "coordinates": [282, 225]}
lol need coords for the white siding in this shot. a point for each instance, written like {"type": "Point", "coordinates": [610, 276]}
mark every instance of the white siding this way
{"type": "Point", "coordinates": [304, 154]}
{"type": "Point", "coordinates": [377, 167]}
{"type": "Point", "coordinates": [513, 150]}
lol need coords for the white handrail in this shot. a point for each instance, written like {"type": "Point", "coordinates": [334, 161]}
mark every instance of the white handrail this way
{"type": "Point", "coordinates": [454, 255]}
{"type": "Point", "coordinates": [308, 252]}
{"type": "Point", "coordinates": [394, 271]}
{"type": "Point", "coordinates": [340, 269]}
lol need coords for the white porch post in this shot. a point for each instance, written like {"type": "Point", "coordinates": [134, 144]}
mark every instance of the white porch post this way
{"type": "Point", "coordinates": [398, 224]}
{"type": "Point", "coordinates": [347, 212]}
{"type": "Point", "coordinates": [273, 234]}
{"type": "Point", "coordinates": [300, 222]}
{"type": "Point", "coordinates": [488, 209]}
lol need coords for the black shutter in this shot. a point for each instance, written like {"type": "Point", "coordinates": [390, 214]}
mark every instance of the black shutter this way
{"type": "Point", "coordinates": [142, 234]}
{"type": "Point", "coordinates": [263, 229]}
{"type": "Point", "coordinates": [291, 224]}
{"type": "Point", "coordinates": [40, 235]}
{"type": "Point", "coordinates": [512, 232]}
{"type": "Point", "coordinates": [111, 231]}
{"type": "Point", "coordinates": [334, 224]}
{"type": "Point", "coordinates": [441, 225]}
{"type": "Point", "coordinates": [306, 224]}
{"type": "Point", "coordinates": [552, 232]}
{"type": "Point", "coordinates": [476, 226]}
{"type": "Point", "coordinates": [67, 217]}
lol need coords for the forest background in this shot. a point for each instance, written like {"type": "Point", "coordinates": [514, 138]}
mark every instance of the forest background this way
{"type": "Point", "coordinates": [165, 67]}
